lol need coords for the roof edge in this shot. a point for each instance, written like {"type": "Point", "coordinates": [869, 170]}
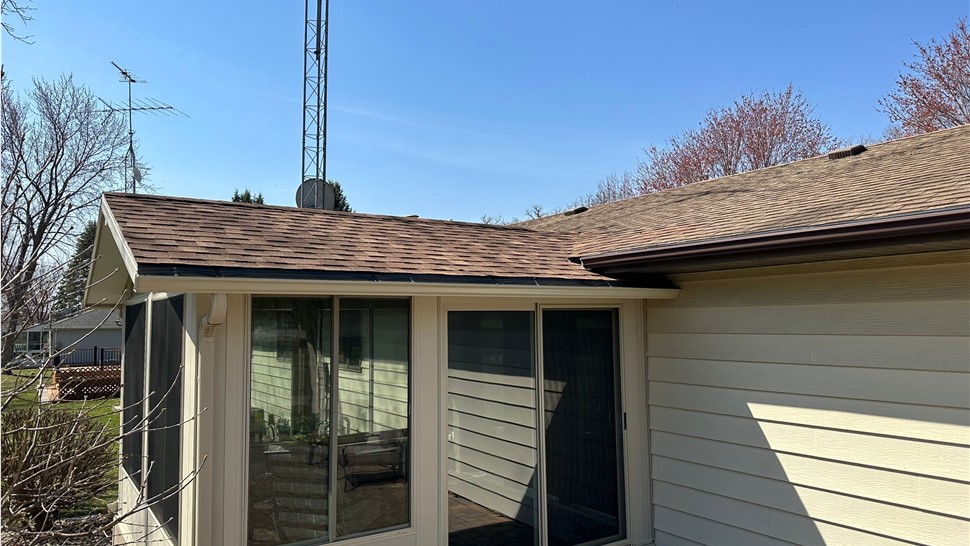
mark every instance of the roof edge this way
{"type": "Point", "coordinates": [940, 221]}
{"type": "Point", "coordinates": [401, 287]}
{"type": "Point", "coordinates": [108, 233]}
{"type": "Point", "coordinates": [216, 272]}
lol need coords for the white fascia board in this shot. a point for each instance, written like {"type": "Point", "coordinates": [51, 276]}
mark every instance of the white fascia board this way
{"type": "Point", "coordinates": [154, 283]}
{"type": "Point", "coordinates": [108, 219]}
{"type": "Point", "coordinates": [105, 278]}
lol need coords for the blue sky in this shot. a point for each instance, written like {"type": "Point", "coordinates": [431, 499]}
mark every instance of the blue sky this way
{"type": "Point", "coordinates": [455, 109]}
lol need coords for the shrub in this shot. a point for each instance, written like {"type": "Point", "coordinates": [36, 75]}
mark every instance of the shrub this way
{"type": "Point", "coordinates": [52, 459]}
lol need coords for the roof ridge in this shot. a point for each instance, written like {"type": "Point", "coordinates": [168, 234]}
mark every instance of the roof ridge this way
{"type": "Point", "coordinates": [694, 185]}
{"type": "Point", "coordinates": [302, 210]}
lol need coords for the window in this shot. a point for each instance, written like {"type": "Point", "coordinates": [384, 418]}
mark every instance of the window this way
{"type": "Point", "coordinates": [38, 341]}
{"type": "Point", "coordinates": [133, 389]}
{"type": "Point", "coordinates": [328, 445]}
{"type": "Point", "coordinates": [165, 405]}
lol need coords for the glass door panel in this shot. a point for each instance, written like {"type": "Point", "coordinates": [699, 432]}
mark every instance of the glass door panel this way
{"type": "Point", "coordinates": [583, 434]}
{"type": "Point", "coordinates": [374, 371]}
{"type": "Point", "coordinates": [289, 420]}
{"type": "Point", "coordinates": [307, 484]}
{"type": "Point", "coordinates": [492, 448]}
{"type": "Point", "coordinates": [498, 461]}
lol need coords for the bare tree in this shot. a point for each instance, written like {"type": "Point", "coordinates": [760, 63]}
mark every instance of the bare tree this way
{"type": "Point", "coordinates": [60, 151]}
{"type": "Point", "coordinates": [498, 220]}
{"type": "Point", "coordinates": [536, 211]}
{"type": "Point", "coordinates": [612, 188]}
{"type": "Point", "coordinates": [755, 132]}
{"type": "Point", "coordinates": [20, 10]}
{"type": "Point", "coordinates": [935, 92]}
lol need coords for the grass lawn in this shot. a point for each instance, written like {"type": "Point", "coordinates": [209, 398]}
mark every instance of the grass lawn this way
{"type": "Point", "coordinates": [101, 410]}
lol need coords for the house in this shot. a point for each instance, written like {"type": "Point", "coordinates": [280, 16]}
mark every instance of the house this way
{"type": "Point", "coordinates": [775, 357]}
{"type": "Point", "coordinates": [92, 336]}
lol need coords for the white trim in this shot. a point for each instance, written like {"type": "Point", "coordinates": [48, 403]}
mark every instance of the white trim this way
{"type": "Point", "coordinates": [157, 283]}
{"type": "Point", "coordinates": [236, 425]}
{"type": "Point", "coordinates": [424, 476]}
{"type": "Point", "coordinates": [442, 422]}
{"type": "Point", "coordinates": [541, 502]}
{"type": "Point", "coordinates": [203, 448]}
{"type": "Point", "coordinates": [126, 255]}
{"type": "Point", "coordinates": [633, 384]}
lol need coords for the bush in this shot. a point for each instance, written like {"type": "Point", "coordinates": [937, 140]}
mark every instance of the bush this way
{"type": "Point", "coordinates": [52, 459]}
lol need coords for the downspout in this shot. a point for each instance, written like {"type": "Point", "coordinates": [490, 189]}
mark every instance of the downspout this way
{"type": "Point", "coordinates": [215, 317]}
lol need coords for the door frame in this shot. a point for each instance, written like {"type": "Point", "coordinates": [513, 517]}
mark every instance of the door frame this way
{"type": "Point", "coordinates": [633, 397]}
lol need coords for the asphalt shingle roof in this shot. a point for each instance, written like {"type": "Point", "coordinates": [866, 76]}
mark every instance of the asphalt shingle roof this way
{"type": "Point", "coordinates": [910, 176]}
{"type": "Point", "coordinates": [216, 234]}
{"type": "Point", "coordinates": [89, 319]}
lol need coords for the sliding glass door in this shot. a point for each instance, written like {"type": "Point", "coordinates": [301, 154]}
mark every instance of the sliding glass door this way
{"type": "Point", "coordinates": [516, 479]}
{"type": "Point", "coordinates": [583, 427]}
{"type": "Point", "coordinates": [492, 421]}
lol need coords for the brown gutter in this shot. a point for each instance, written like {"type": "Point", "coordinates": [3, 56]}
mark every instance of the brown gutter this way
{"type": "Point", "coordinates": [949, 220]}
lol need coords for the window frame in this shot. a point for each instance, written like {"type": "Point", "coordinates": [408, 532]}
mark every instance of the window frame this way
{"type": "Point", "coordinates": [246, 353]}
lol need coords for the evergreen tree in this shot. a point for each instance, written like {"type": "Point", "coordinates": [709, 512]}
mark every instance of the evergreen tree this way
{"type": "Point", "coordinates": [247, 197]}
{"type": "Point", "coordinates": [339, 197]}
{"type": "Point", "coordinates": [71, 291]}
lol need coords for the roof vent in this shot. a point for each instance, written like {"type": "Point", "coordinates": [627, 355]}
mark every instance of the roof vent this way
{"type": "Point", "coordinates": [411, 216]}
{"type": "Point", "coordinates": [576, 210]}
{"type": "Point", "coordinates": [846, 152]}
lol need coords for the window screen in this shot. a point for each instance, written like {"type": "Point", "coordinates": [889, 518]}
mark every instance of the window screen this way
{"type": "Point", "coordinates": [134, 391]}
{"type": "Point", "coordinates": [165, 403]}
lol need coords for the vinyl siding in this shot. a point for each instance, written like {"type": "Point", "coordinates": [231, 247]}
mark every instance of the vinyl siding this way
{"type": "Point", "coordinates": [271, 384]}
{"type": "Point", "coordinates": [86, 339]}
{"type": "Point", "coordinates": [380, 387]}
{"type": "Point", "coordinates": [813, 406]}
{"type": "Point", "coordinates": [491, 423]}
{"type": "Point", "coordinates": [386, 376]}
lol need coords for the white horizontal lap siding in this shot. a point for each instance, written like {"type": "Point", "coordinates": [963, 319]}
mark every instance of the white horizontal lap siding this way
{"type": "Point", "coordinates": [380, 393]}
{"type": "Point", "coordinates": [491, 434]}
{"type": "Point", "coordinates": [813, 406]}
{"type": "Point", "coordinates": [67, 340]}
{"type": "Point", "coordinates": [272, 385]}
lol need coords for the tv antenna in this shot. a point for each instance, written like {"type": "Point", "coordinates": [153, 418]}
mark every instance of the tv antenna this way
{"type": "Point", "coordinates": [314, 184]}
{"type": "Point", "coordinates": [149, 105]}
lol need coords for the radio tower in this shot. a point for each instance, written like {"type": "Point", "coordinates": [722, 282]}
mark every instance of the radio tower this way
{"type": "Point", "coordinates": [315, 104]}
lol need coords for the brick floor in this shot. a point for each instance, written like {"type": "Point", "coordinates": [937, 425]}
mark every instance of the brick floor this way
{"type": "Point", "coordinates": [470, 524]}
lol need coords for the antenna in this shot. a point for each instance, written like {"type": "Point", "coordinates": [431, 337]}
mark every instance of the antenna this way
{"type": "Point", "coordinates": [314, 103]}
{"type": "Point", "coordinates": [151, 106]}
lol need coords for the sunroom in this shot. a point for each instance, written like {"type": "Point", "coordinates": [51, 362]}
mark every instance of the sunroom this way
{"type": "Point", "coordinates": [294, 376]}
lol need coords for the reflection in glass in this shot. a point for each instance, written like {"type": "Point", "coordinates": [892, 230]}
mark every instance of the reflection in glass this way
{"type": "Point", "coordinates": [492, 428]}
{"type": "Point", "coordinates": [297, 491]}
{"type": "Point", "coordinates": [289, 424]}
{"type": "Point", "coordinates": [372, 447]}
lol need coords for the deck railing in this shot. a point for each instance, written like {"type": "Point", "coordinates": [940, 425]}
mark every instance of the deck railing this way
{"type": "Point", "coordinates": [94, 356]}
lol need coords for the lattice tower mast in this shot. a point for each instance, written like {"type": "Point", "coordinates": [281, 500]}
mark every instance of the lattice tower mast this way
{"type": "Point", "coordinates": [315, 97]}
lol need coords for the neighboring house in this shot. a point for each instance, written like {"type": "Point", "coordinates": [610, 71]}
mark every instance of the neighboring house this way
{"type": "Point", "coordinates": [775, 357]}
{"type": "Point", "coordinates": [33, 342]}
{"type": "Point", "coordinates": [92, 336]}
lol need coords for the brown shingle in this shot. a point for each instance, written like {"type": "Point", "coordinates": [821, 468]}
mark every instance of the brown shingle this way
{"type": "Point", "coordinates": [906, 177]}
{"type": "Point", "coordinates": [198, 233]}
{"type": "Point", "coordinates": [911, 176]}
